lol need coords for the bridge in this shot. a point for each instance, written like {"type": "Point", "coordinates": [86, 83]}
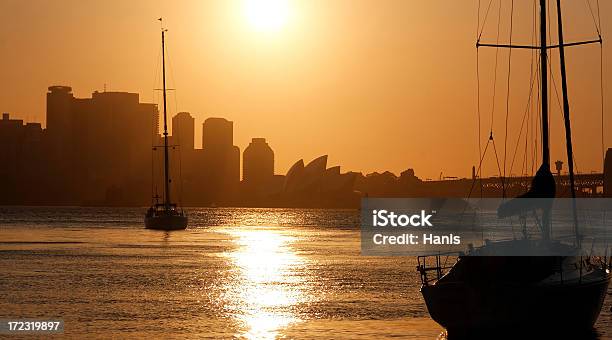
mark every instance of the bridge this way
{"type": "Point", "coordinates": [587, 185]}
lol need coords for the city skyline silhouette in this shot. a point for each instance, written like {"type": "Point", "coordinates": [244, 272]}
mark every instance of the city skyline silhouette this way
{"type": "Point", "coordinates": [107, 150]}
{"type": "Point", "coordinates": [367, 77]}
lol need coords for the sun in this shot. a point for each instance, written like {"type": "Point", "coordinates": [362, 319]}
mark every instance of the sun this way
{"type": "Point", "coordinates": [267, 15]}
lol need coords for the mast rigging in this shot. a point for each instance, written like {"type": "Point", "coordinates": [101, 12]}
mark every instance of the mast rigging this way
{"type": "Point", "coordinates": [166, 158]}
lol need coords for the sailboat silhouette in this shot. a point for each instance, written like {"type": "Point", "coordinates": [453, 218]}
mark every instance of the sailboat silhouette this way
{"type": "Point", "coordinates": [481, 292]}
{"type": "Point", "coordinates": [166, 215]}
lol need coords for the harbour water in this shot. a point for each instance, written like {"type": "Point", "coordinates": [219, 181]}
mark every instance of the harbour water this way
{"type": "Point", "coordinates": [236, 273]}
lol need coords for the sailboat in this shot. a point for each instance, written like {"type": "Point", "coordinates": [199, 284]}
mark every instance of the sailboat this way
{"type": "Point", "coordinates": [549, 293]}
{"type": "Point", "coordinates": [165, 215]}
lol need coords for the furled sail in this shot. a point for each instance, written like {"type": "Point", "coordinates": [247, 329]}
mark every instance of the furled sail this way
{"type": "Point", "coordinates": [542, 188]}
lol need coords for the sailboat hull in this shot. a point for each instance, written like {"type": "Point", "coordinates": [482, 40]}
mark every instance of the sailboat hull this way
{"type": "Point", "coordinates": [166, 222]}
{"type": "Point", "coordinates": [463, 308]}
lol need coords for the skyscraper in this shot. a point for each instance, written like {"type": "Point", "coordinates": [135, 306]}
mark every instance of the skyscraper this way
{"type": "Point", "coordinates": [184, 171]}
{"type": "Point", "coordinates": [183, 128]}
{"type": "Point", "coordinates": [217, 133]}
{"type": "Point", "coordinates": [59, 111]}
{"type": "Point", "coordinates": [60, 142]}
{"type": "Point", "coordinates": [99, 144]}
{"type": "Point", "coordinates": [20, 160]}
{"type": "Point", "coordinates": [257, 163]}
{"type": "Point", "coordinates": [220, 160]}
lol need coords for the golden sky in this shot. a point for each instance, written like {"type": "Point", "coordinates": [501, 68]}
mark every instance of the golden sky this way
{"type": "Point", "coordinates": [377, 85]}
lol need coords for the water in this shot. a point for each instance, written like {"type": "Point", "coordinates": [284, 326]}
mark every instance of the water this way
{"type": "Point", "coordinates": [245, 273]}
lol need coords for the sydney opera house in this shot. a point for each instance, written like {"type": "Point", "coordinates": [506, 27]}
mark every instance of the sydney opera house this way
{"type": "Point", "coordinates": [316, 185]}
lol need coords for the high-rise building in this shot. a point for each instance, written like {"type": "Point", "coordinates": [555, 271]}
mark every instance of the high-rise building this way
{"type": "Point", "coordinates": [183, 170]}
{"type": "Point", "coordinates": [218, 161]}
{"type": "Point", "coordinates": [257, 162]}
{"type": "Point", "coordinates": [217, 133]}
{"type": "Point", "coordinates": [100, 144]}
{"type": "Point", "coordinates": [61, 143]}
{"type": "Point", "coordinates": [21, 157]}
{"type": "Point", "coordinates": [11, 139]}
{"type": "Point", "coordinates": [183, 128]}
{"type": "Point", "coordinates": [59, 111]}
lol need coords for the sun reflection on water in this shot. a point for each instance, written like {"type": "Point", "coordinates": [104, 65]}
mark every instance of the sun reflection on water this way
{"type": "Point", "coordinates": [266, 285]}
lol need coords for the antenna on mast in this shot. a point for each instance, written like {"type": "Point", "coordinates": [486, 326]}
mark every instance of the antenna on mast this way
{"type": "Point", "coordinates": [161, 25]}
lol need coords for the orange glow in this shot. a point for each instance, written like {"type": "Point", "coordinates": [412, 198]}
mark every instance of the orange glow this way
{"type": "Point", "coordinates": [375, 85]}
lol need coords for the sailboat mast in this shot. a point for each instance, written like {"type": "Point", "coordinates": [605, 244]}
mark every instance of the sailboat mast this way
{"type": "Point", "coordinates": [566, 118]}
{"type": "Point", "coordinates": [546, 213]}
{"type": "Point", "coordinates": [544, 84]}
{"type": "Point", "coordinates": [546, 186]}
{"type": "Point", "coordinates": [166, 160]}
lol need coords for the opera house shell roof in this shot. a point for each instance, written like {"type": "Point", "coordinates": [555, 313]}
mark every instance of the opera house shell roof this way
{"type": "Point", "coordinates": [316, 178]}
